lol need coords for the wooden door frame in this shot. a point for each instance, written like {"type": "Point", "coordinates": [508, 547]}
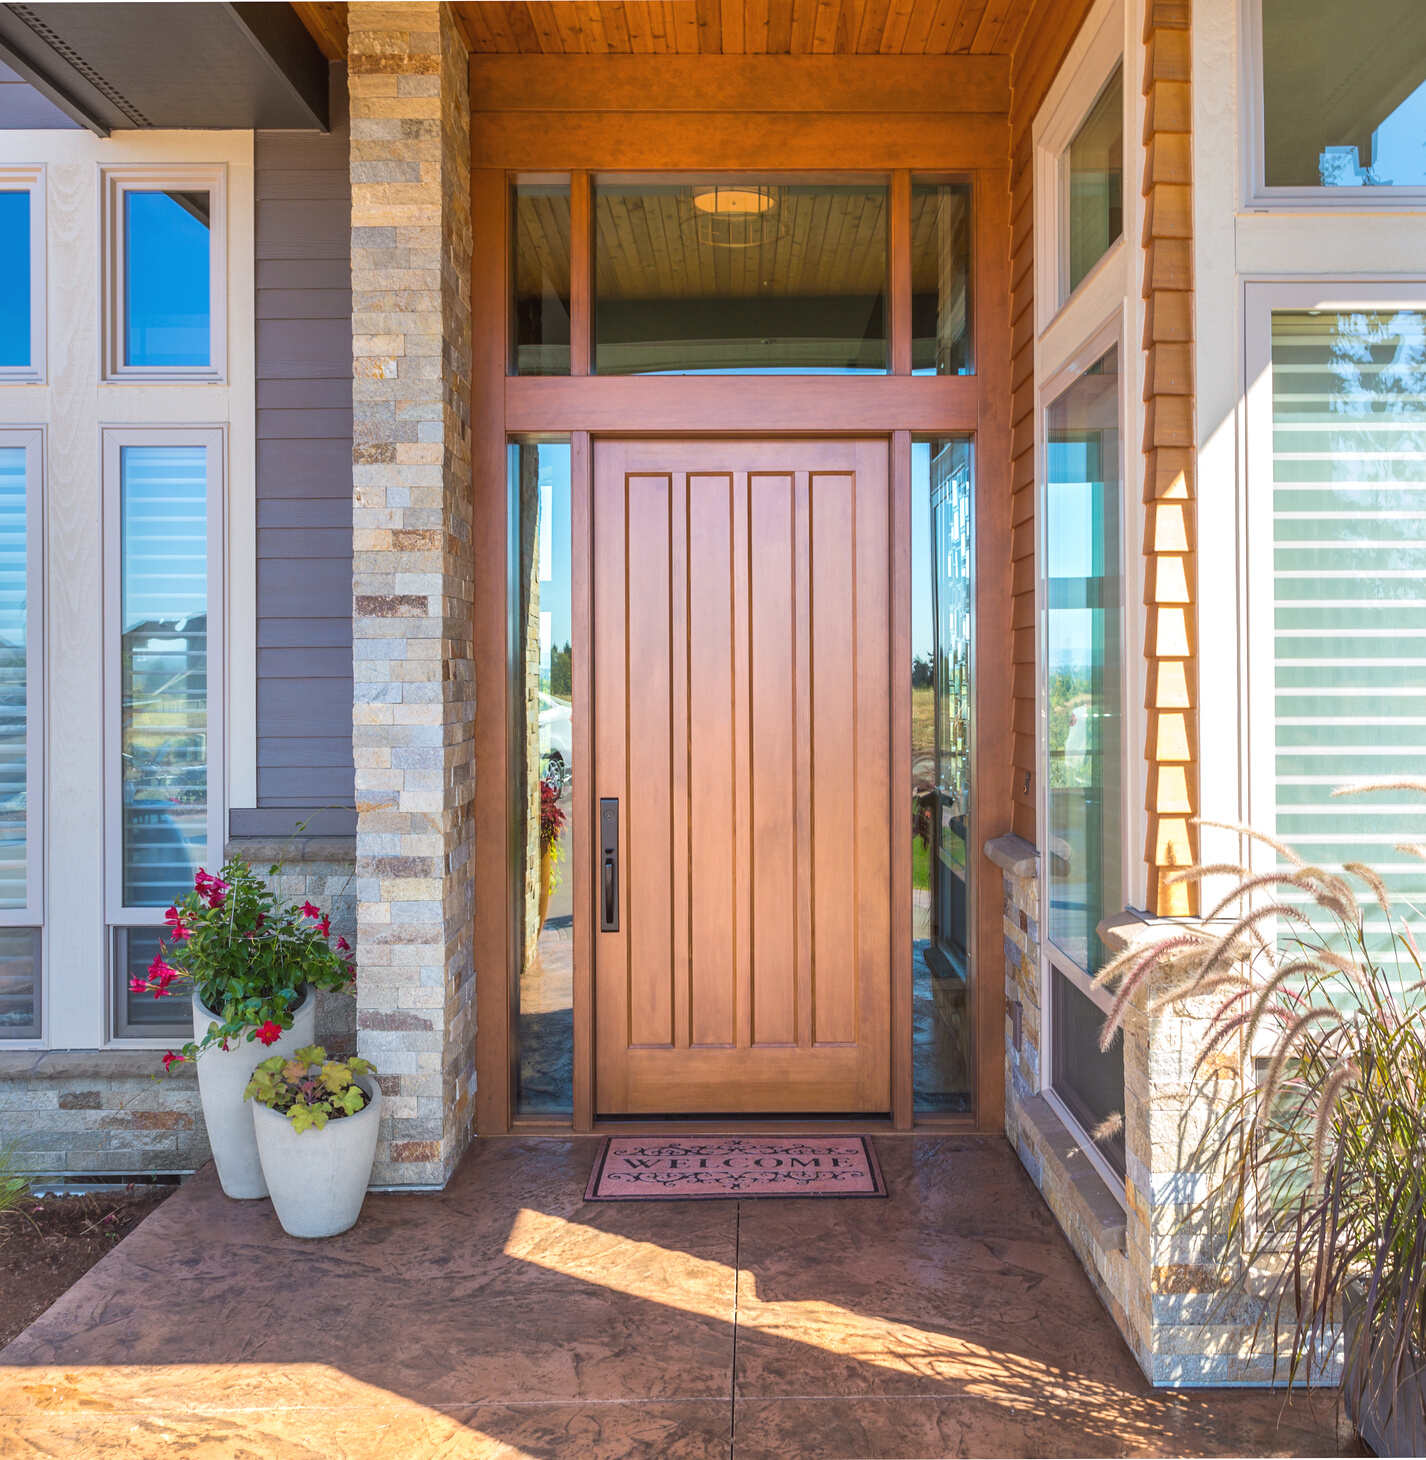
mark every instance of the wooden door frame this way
{"type": "Point", "coordinates": [656, 131]}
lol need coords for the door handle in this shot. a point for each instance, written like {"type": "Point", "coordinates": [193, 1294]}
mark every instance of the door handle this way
{"type": "Point", "coordinates": [609, 865]}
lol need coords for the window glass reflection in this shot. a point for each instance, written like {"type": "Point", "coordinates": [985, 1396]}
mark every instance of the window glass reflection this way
{"type": "Point", "coordinates": [940, 279]}
{"type": "Point", "coordinates": [19, 983]}
{"type": "Point", "coordinates": [739, 277]}
{"type": "Point", "coordinates": [1344, 93]}
{"type": "Point", "coordinates": [166, 279]}
{"type": "Point", "coordinates": [545, 902]}
{"type": "Point", "coordinates": [1095, 163]}
{"type": "Point", "coordinates": [1084, 628]}
{"type": "Point", "coordinates": [163, 670]}
{"type": "Point", "coordinates": [14, 278]}
{"type": "Point", "coordinates": [542, 275]}
{"type": "Point", "coordinates": [941, 545]}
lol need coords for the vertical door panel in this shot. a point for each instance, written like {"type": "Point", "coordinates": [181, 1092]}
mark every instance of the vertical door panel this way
{"type": "Point", "coordinates": [648, 818]}
{"type": "Point", "coordinates": [712, 833]}
{"type": "Point", "coordinates": [834, 757]}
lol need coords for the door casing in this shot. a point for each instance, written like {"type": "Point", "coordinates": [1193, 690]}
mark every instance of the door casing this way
{"type": "Point", "coordinates": [655, 134]}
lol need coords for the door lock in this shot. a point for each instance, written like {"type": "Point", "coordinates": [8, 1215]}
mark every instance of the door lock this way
{"type": "Point", "coordinates": [609, 865]}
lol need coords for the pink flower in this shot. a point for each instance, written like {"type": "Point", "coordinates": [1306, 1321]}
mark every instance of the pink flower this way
{"type": "Point", "coordinates": [171, 1059]}
{"type": "Point", "coordinates": [310, 910]}
{"type": "Point", "coordinates": [137, 986]}
{"type": "Point", "coordinates": [176, 929]}
{"type": "Point", "coordinates": [210, 887]}
{"type": "Point", "coordinates": [325, 926]}
{"type": "Point", "coordinates": [270, 1032]}
{"type": "Point", "coordinates": [344, 945]}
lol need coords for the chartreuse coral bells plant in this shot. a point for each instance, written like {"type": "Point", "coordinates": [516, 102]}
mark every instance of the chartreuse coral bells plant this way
{"type": "Point", "coordinates": [1316, 1167]}
{"type": "Point", "coordinates": [309, 1089]}
{"type": "Point", "coordinates": [245, 956]}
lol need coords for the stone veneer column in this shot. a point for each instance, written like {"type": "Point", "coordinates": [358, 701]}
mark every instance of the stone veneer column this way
{"type": "Point", "coordinates": [412, 615]}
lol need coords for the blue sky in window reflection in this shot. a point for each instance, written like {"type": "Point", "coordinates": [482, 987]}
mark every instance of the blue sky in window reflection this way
{"type": "Point", "coordinates": [14, 278]}
{"type": "Point", "coordinates": [1398, 152]}
{"type": "Point", "coordinates": [167, 285]}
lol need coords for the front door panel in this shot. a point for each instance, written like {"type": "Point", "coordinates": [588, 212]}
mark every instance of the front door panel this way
{"type": "Point", "coordinates": [741, 720]}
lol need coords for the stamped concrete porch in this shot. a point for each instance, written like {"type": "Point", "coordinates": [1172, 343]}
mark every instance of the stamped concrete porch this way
{"type": "Point", "coordinates": [504, 1317]}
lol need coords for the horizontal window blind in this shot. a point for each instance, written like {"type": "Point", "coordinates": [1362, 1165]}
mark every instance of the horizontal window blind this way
{"type": "Point", "coordinates": [14, 719]}
{"type": "Point", "coordinates": [1349, 585]}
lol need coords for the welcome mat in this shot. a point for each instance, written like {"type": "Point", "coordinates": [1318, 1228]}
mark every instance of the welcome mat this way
{"type": "Point", "coordinates": [642, 1168]}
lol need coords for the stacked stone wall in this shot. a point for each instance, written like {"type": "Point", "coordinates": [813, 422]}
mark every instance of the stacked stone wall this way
{"type": "Point", "coordinates": [408, 76]}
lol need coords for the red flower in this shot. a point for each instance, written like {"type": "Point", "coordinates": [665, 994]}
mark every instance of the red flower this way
{"type": "Point", "coordinates": [261, 919]}
{"type": "Point", "coordinates": [270, 1032]}
{"type": "Point", "coordinates": [171, 1059]}
{"type": "Point", "coordinates": [309, 910]}
{"type": "Point", "coordinates": [325, 926]}
{"type": "Point", "coordinates": [137, 986]}
{"type": "Point", "coordinates": [210, 887]}
{"type": "Point", "coordinates": [344, 945]}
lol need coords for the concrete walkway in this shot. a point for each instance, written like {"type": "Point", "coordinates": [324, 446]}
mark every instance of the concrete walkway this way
{"type": "Point", "coordinates": [504, 1317]}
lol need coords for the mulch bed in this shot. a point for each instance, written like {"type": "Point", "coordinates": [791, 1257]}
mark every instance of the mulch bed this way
{"type": "Point", "coordinates": [64, 1236]}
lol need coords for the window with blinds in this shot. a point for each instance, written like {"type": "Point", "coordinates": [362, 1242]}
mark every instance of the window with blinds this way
{"type": "Point", "coordinates": [1349, 584]}
{"type": "Point", "coordinates": [14, 719]}
{"type": "Point", "coordinates": [163, 670]}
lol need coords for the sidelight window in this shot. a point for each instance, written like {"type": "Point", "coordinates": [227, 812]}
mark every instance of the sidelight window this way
{"type": "Point", "coordinates": [1084, 770]}
{"type": "Point", "coordinates": [941, 869]}
{"type": "Point", "coordinates": [542, 737]}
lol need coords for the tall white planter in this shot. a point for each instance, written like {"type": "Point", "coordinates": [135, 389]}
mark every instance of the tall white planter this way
{"type": "Point", "coordinates": [318, 1179]}
{"type": "Point", "coordinates": [222, 1077]}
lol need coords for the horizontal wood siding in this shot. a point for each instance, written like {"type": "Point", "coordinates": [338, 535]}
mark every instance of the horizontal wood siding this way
{"type": "Point", "coordinates": [304, 480]}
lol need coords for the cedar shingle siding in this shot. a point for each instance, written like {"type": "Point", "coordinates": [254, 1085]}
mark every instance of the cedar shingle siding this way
{"type": "Point", "coordinates": [304, 480]}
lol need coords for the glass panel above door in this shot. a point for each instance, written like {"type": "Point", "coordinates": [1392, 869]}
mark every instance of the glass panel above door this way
{"type": "Point", "coordinates": [540, 218]}
{"type": "Point", "coordinates": [941, 335]}
{"type": "Point", "coordinates": [941, 549]}
{"type": "Point", "coordinates": [739, 276]}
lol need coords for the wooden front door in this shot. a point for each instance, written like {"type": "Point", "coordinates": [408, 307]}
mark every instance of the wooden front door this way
{"type": "Point", "coordinates": [741, 670]}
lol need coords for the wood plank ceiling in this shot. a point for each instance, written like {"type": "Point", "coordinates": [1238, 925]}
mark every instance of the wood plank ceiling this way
{"type": "Point", "coordinates": [744, 27]}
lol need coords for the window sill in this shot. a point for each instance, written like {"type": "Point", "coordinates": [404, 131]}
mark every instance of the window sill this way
{"type": "Point", "coordinates": [90, 1064]}
{"type": "Point", "coordinates": [1068, 1171]}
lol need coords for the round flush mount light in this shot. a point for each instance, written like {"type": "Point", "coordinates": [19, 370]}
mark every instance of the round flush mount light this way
{"type": "Point", "coordinates": [734, 202]}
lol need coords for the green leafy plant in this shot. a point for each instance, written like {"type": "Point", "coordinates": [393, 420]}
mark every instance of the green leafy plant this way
{"type": "Point", "coordinates": [14, 1188]}
{"type": "Point", "coordinates": [246, 956]}
{"type": "Point", "coordinates": [1316, 1167]}
{"type": "Point", "coordinates": [309, 1088]}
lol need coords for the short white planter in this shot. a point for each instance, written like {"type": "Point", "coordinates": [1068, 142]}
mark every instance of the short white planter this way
{"type": "Point", "coordinates": [318, 1179]}
{"type": "Point", "coordinates": [222, 1077]}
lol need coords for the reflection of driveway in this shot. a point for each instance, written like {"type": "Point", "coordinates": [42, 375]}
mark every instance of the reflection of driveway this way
{"type": "Point", "coordinates": [556, 732]}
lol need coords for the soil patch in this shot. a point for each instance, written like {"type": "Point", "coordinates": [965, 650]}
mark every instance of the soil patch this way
{"type": "Point", "coordinates": [64, 1236]}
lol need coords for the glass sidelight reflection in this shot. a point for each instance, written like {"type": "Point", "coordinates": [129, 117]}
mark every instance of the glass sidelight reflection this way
{"type": "Point", "coordinates": [941, 545]}
{"type": "Point", "coordinates": [542, 705]}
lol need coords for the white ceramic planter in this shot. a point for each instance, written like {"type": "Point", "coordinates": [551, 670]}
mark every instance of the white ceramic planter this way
{"type": "Point", "coordinates": [222, 1077]}
{"type": "Point", "coordinates": [318, 1179]}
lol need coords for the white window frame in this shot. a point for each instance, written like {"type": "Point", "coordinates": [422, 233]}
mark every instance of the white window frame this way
{"type": "Point", "coordinates": [115, 182]}
{"type": "Point", "coordinates": [32, 915]}
{"type": "Point", "coordinates": [31, 180]}
{"type": "Point", "coordinates": [1087, 69]}
{"type": "Point", "coordinates": [117, 915]}
{"type": "Point", "coordinates": [1256, 193]}
{"type": "Point", "coordinates": [1260, 300]}
{"type": "Point", "coordinates": [1113, 332]}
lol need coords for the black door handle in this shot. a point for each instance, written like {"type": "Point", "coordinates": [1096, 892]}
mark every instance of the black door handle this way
{"type": "Point", "coordinates": [609, 865]}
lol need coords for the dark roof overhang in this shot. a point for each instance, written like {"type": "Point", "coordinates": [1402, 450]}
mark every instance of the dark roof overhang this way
{"type": "Point", "coordinates": [118, 66]}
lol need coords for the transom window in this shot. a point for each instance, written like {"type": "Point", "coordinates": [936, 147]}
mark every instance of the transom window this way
{"type": "Point", "coordinates": [765, 275]}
